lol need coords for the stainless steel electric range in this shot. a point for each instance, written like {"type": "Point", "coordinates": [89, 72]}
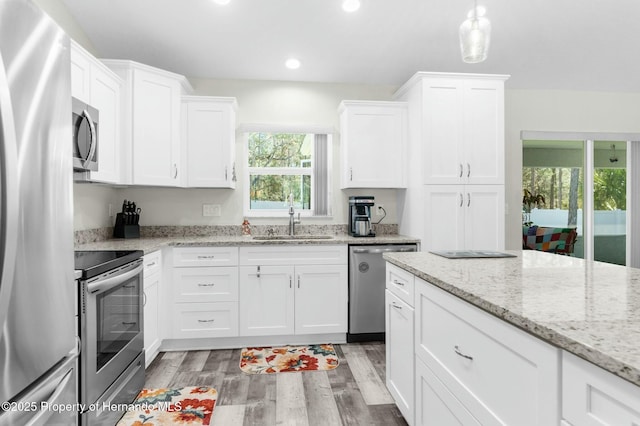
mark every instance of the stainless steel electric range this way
{"type": "Point", "coordinates": [110, 310]}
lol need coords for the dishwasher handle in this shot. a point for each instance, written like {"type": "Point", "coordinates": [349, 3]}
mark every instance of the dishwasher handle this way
{"type": "Point", "coordinates": [383, 250]}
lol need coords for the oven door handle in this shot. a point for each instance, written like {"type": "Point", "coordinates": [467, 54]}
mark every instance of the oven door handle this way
{"type": "Point", "coordinates": [111, 282]}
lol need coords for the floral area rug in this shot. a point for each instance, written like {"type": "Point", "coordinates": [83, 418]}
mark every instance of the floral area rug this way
{"type": "Point", "coordinates": [180, 406]}
{"type": "Point", "coordinates": [288, 358]}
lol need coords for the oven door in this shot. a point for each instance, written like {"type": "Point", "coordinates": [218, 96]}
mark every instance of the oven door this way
{"type": "Point", "coordinates": [110, 328]}
{"type": "Point", "coordinates": [85, 136]}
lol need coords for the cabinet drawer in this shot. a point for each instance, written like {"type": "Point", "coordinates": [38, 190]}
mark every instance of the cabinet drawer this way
{"type": "Point", "coordinates": [593, 396]}
{"type": "Point", "coordinates": [294, 255]}
{"type": "Point", "coordinates": [205, 284]}
{"type": "Point", "coordinates": [487, 362]}
{"type": "Point", "coordinates": [152, 263]}
{"type": "Point", "coordinates": [199, 320]}
{"type": "Point", "coordinates": [205, 256]}
{"type": "Point", "coordinates": [400, 283]}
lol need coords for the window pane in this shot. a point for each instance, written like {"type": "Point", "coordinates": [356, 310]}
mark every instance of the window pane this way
{"type": "Point", "coordinates": [280, 150]}
{"type": "Point", "coordinates": [271, 192]}
{"type": "Point", "coordinates": [610, 202]}
{"type": "Point", "coordinates": [554, 170]}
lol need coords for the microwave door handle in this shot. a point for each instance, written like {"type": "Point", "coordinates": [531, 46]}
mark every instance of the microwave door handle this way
{"type": "Point", "coordinates": [112, 282]}
{"type": "Point", "coordinates": [94, 138]}
{"type": "Point", "coordinates": [8, 196]}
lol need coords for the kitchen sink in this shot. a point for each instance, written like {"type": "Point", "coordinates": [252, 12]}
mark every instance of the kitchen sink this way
{"type": "Point", "coordinates": [292, 237]}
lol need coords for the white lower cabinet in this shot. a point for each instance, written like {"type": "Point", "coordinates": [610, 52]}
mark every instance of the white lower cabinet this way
{"type": "Point", "coordinates": [500, 374]}
{"type": "Point", "coordinates": [399, 356]}
{"type": "Point", "coordinates": [204, 292]}
{"type": "Point", "coordinates": [592, 396]}
{"type": "Point", "coordinates": [435, 404]}
{"type": "Point", "coordinates": [152, 279]}
{"type": "Point", "coordinates": [281, 295]}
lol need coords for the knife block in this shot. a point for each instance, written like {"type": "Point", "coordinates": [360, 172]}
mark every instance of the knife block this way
{"type": "Point", "coordinates": [122, 230]}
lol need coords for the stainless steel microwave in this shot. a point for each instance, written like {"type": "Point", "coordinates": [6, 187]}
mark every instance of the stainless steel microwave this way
{"type": "Point", "coordinates": [85, 136]}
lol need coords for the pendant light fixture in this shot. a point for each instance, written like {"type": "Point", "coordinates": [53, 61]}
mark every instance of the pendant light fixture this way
{"type": "Point", "coordinates": [475, 35]}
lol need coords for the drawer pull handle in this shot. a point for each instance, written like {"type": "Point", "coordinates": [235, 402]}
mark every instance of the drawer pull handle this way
{"type": "Point", "coordinates": [206, 285]}
{"type": "Point", "coordinates": [209, 320]}
{"type": "Point", "coordinates": [396, 282]}
{"type": "Point", "coordinates": [396, 306]}
{"type": "Point", "coordinates": [129, 323]}
{"type": "Point", "coordinates": [258, 272]}
{"type": "Point", "coordinates": [202, 256]}
{"type": "Point", "coordinates": [151, 264]}
{"type": "Point", "coordinates": [457, 351]}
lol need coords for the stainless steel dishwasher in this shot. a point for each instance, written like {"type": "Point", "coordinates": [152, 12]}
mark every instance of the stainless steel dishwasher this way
{"type": "Point", "coordinates": [366, 290]}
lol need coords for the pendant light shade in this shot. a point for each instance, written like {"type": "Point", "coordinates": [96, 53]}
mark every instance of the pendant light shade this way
{"type": "Point", "coordinates": [475, 36]}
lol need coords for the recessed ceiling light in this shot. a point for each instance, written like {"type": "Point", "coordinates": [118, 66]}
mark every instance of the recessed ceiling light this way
{"type": "Point", "coordinates": [350, 5]}
{"type": "Point", "coordinates": [222, 2]}
{"type": "Point", "coordinates": [292, 64]}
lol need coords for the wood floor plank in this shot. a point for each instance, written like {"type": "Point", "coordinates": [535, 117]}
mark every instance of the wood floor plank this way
{"type": "Point", "coordinates": [373, 389]}
{"type": "Point", "coordinates": [321, 405]}
{"type": "Point", "coordinates": [351, 395]}
{"type": "Point", "coordinates": [227, 415]}
{"type": "Point", "coordinates": [194, 361]}
{"type": "Point", "coordinates": [261, 400]}
{"type": "Point", "coordinates": [166, 367]}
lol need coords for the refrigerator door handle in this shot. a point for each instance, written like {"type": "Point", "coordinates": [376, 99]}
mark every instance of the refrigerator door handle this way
{"type": "Point", "coordinates": [9, 207]}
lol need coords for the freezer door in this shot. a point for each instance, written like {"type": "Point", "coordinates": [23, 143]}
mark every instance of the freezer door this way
{"type": "Point", "coordinates": [51, 401]}
{"type": "Point", "coordinates": [38, 313]}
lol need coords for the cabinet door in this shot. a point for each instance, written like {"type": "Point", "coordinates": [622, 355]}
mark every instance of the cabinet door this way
{"type": "Point", "coordinates": [400, 371]}
{"type": "Point", "coordinates": [266, 300]}
{"type": "Point", "coordinates": [435, 405]}
{"type": "Point", "coordinates": [321, 299]}
{"type": "Point", "coordinates": [443, 127]}
{"type": "Point", "coordinates": [592, 396]}
{"type": "Point", "coordinates": [151, 316]}
{"type": "Point", "coordinates": [444, 208]}
{"type": "Point", "coordinates": [105, 96]}
{"type": "Point", "coordinates": [374, 142]}
{"type": "Point", "coordinates": [209, 128]}
{"type": "Point", "coordinates": [80, 73]}
{"type": "Point", "coordinates": [484, 217]}
{"type": "Point", "coordinates": [483, 131]}
{"type": "Point", "coordinates": [156, 134]}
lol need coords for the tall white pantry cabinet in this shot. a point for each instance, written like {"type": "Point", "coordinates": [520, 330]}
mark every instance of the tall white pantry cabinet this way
{"type": "Point", "coordinates": [455, 199]}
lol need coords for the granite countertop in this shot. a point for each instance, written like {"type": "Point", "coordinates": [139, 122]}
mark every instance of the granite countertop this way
{"type": "Point", "coordinates": [149, 245]}
{"type": "Point", "coordinates": [591, 309]}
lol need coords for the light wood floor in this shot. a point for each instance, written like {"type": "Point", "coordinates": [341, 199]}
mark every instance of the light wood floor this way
{"type": "Point", "coordinates": [352, 394]}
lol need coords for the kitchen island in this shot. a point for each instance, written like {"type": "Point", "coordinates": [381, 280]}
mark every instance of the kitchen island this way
{"type": "Point", "coordinates": [576, 310]}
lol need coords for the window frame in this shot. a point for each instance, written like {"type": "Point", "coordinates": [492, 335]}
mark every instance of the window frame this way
{"type": "Point", "coordinates": [285, 171]}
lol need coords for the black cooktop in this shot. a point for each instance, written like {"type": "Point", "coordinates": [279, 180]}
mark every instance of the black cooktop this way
{"type": "Point", "coordinates": [92, 263]}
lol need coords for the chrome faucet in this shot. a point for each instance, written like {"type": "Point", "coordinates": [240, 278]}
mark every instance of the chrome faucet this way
{"type": "Point", "coordinates": [292, 221]}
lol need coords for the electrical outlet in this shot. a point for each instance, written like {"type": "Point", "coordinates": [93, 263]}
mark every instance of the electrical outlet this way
{"type": "Point", "coordinates": [211, 210]}
{"type": "Point", "coordinates": [379, 210]}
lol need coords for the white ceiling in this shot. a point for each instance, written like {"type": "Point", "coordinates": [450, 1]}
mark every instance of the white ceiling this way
{"type": "Point", "coordinates": [542, 44]}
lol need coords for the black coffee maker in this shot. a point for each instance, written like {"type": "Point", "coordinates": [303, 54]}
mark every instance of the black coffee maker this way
{"type": "Point", "coordinates": [360, 216]}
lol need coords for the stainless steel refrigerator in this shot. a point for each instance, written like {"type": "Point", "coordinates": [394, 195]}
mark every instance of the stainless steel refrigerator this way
{"type": "Point", "coordinates": [38, 348]}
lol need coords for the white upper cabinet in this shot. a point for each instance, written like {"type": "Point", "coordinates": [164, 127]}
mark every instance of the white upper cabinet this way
{"type": "Point", "coordinates": [373, 137]}
{"type": "Point", "coordinates": [208, 138]}
{"type": "Point", "coordinates": [152, 123]}
{"type": "Point", "coordinates": [463, 129]}
{"type": "Point", "coordinates": [92, 82]}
